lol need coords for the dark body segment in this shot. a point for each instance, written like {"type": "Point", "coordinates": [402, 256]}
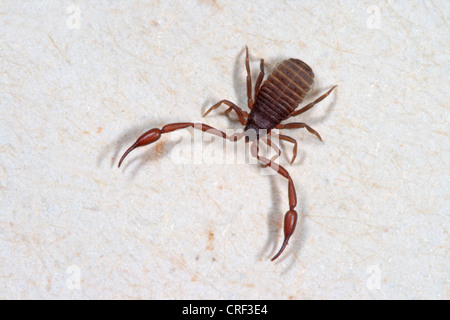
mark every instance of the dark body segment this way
{"type": "Point", "coordinates": [280, 94]}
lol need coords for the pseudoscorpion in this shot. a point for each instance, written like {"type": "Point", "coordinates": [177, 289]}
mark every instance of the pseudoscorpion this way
{"type": "Point", "coordinates": [276, 99]}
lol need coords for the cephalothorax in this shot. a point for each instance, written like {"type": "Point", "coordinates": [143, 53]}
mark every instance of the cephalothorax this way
{"type": "Point", "coordinates": [275, 100]}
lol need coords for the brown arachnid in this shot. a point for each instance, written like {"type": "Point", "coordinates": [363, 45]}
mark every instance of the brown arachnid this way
{"type": "Point", "coordinates": [276, 99]}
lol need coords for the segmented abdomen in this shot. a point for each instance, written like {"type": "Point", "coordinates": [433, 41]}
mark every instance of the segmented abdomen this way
{"type": "Point", "coordinates": [280, 94]}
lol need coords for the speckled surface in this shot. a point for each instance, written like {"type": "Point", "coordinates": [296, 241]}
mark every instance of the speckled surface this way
{"type": "Point", "coordinates": [80, 81]}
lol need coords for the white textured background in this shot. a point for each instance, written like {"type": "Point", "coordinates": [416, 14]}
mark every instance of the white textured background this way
{"type": "Point", "coordinates": [80, 80]}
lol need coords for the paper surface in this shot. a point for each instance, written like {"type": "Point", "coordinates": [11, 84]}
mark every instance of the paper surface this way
{"type": "Point", "coordinates": [80, 81]}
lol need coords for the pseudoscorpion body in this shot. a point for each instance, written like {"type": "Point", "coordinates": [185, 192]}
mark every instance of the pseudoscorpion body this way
{"type": "Point", "coordinates": [275, 100]}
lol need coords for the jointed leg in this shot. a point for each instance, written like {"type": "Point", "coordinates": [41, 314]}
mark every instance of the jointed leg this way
{"type": "Point", "coordinates": [249, 79]}
{"type": "Point", "coordinates": [312, 104]}
{"type": "Point", "coordinates": [268, 141]}
{"type": "Point", "coordinates": [155, 133]}
{"type": "Point", "coordinates": [289, 139]}
{"type": "Point", "coordinates": [297, 125]}
{"type": "Point", "coordinates": [249, 82]}
{"type": "Point", "coordinates": [260, 77]}
{"type": "Point", "coordinates": [240, 113]}
{"type": "Point", "coordinates": [290, 219]}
